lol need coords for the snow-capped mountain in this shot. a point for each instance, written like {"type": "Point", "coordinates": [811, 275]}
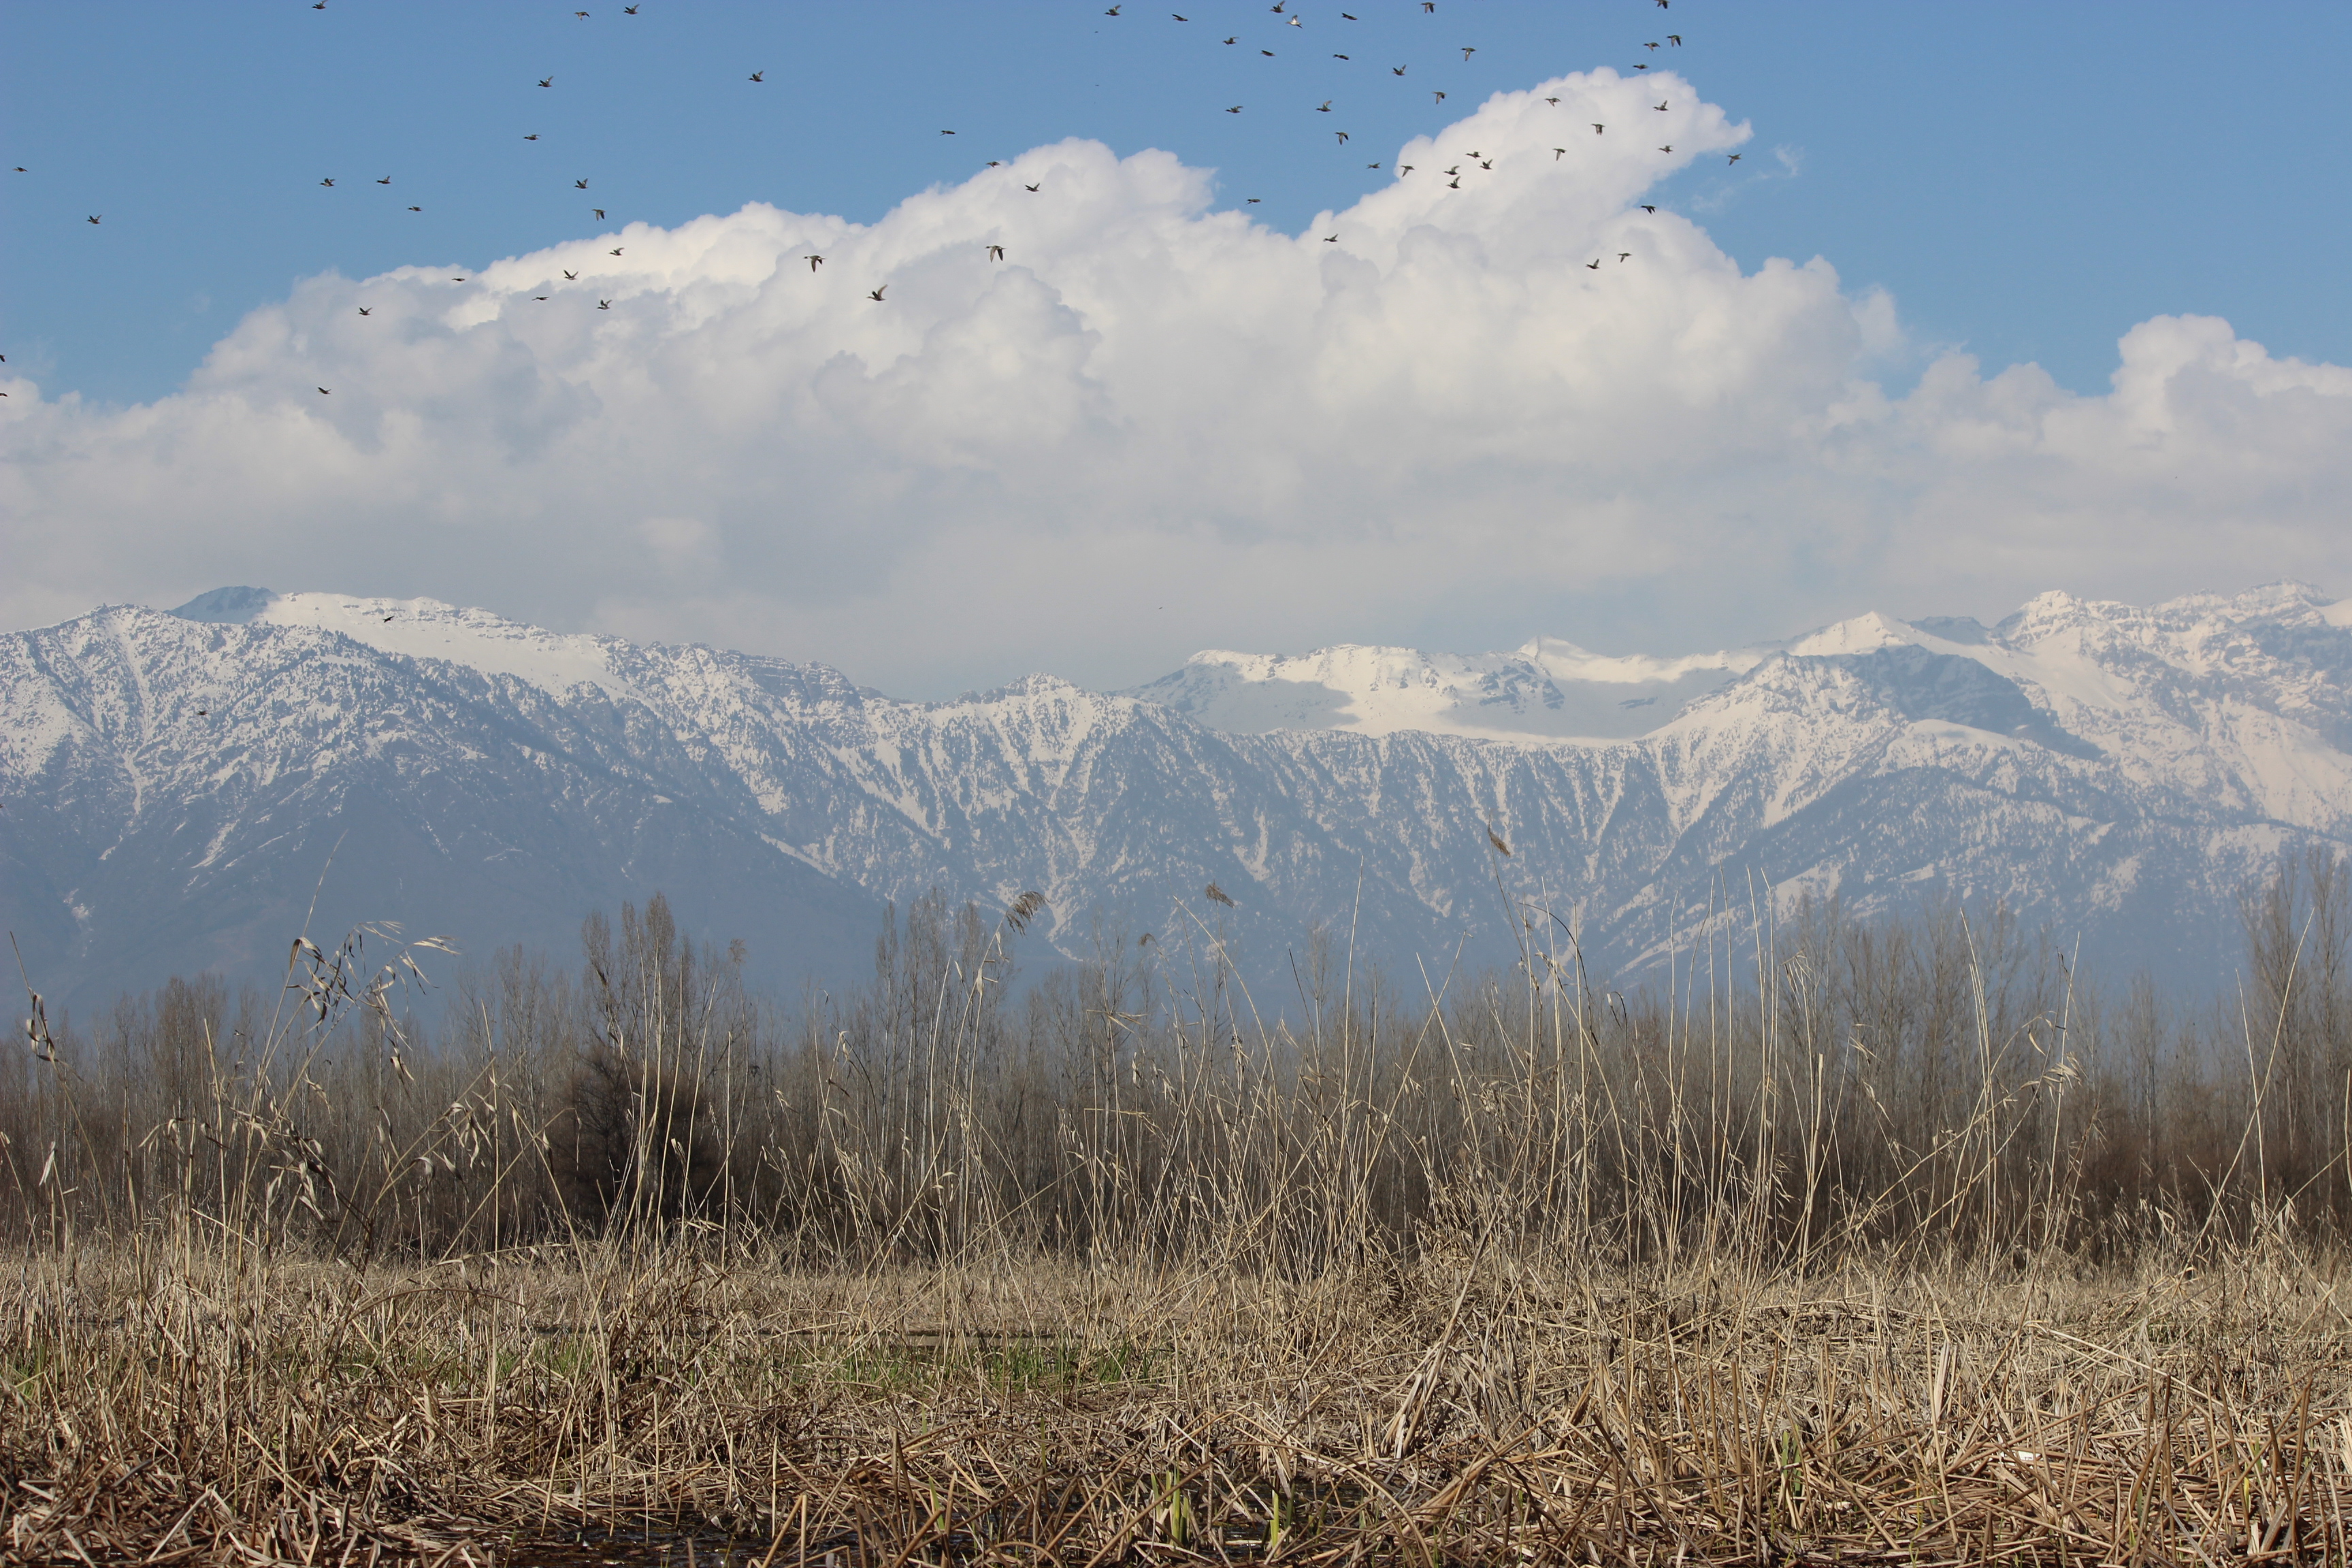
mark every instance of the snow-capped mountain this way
{"type": "Point", "coordinates": [176, 788]}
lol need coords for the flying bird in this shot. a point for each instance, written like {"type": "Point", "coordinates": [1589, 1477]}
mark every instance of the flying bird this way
{"type": "Point", "coordinates": [417, 209]}
{"type": "Point", "coordinates": [1233, 40]}
{"type": "Point", "coordinates": [533, 136]}
{"type": "Point", "coordinates": [1661, 107]}
{"type": "Point", "coordinates": [996, 253]}
{"type": "Point", "coordinates": [547, 81]}
{"type": "Point", "coordinates": [1236, 108]}
{"type": "Point", "coordinates": [1676, 39]}
{"type": "Point", "coordinates": [1216, 895]}
{"type": "Point", "coordinates": [1440, 97]}
{"type": "Point", "coordinates": [604, 304]}
{"type": "Point", "coordinates": [1404, 168]}
{"type": "Point", "coordinates": [579, 185]}
{"type": "Point", "coordinates": [1396, 70]}
{"type": "Point", "coordinates": [1330, 239]}
{"type": "Point", "coordinates": [1495, 839]}
{"type": "Point", "coordinates": [1429, 5]}
{"type": "Point", "coordinates": [1553, 101]}
{"type": "Point", "coordinates": [1599, 128]}
{"type": "Point", "coordinates": [1254, 200]}
{"type": "Point", "coordinates": [1650, 45]}
{"type": "Point", "coordinates": [1668, 148]}
{"type": "Point", "coordinates": [1324, 107]}
{"type": "Point", "coordinates": [364, 310]}
{"type": "Point", "coordinates": [616, 250]}
{"type": "Point", "coordinates": [599, 212]}
{"type": "Point", "coordinates": [570, 276]}
{"type": "Point", "coordinates": [1267, 53]}
{"type": "Point", "coordinates": [1296, 23]}
{"type": "Point", "coordinates": [540, 298]}
{"type": "Point", "coordinates": [1648, 208]}
{"type": "Point", "coordinates": [1454, 184]}
{"type": "Point", "coordinates": [327, 181]}
{"type": "Point", "coordinates": [1487, 163]}
{"type": "Point", "coordinates": [759, 76]}
{"type": "Point", "coordinates": [1736, 156]}
{"type": "Point", "coordinates": [876, 294]}
{"type": "Point", "coordinates": [947, 132]}
{"type": "Point", "coordinates": [1594, 264]}
{"type": "Point", "coordinates": [1625, 256]}
{"type": "Point", "coordinates": [324, 392]}
{"type": "Point", "coordinates": [1371, 165]}
{"type": "Point", "coordinates": [456, 279]}
{"type": "Point", "coordinates": [628, 10]}
{"type": "Point", "coordinates": [385, 180]}
{"type": "Point", "coordinates": [92, 219]}
{"type": "Point", "coordinates": [815, 261]}
{"type": "Point", "coordinates": [1558, 153]}
{"type": "Point", "coordinates": [1033, 188]}
{"type": "Point", "coordinates": [387, 620]}
{"type": "Point", "coordinates": [1339, 57]}
{"type": "Point", "coordinates": [1641, 65]}
{"type": "Point", "coordinates": [1467, 53]}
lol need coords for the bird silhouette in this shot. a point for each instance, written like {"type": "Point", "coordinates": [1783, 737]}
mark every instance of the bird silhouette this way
{"type": "Point", "coordinates": [599, 212]}
{"type": "Point", "coordinates": [1254, 200]}
{"type": "Point", "coordinates": [876, 294]}
{"type": "Point", "coordinates": [947, 132]}
{"type": "Point", "coordinates": [1324, 107]}
{"type": "Point", "coordinates": [759, 76]}
{"type": "Point", "coordinates": [387, 620]}
{"type": "Point", "coordinates": [1216, 895]}
{"type": "Point", "coordinates": [616, 250]}
{"type": "Point", "coordinates": [579, 185]}
{"type": "Point", "coordinates": [570, 277]}
{"type": "Point", "coordinates": [417, 209]}
{"type": "Point", "coordinates": [1031, 189]}
{"type": "Point", "coordinates": [1736, 156]}
{"type": "Point", "coordinates": [1625, 255]}
{"type": "Point", "coordinates": [1558, 153]}
{"type": "Point", "coordinates": [1641, 65]}
{"type": "Point", "coordinates": [1594, 264]}
{"type": "Point", "coordinates": [324, 392]}
{"type": "Point", "coordinates": [1467, 53]}
{"type": "Point", "coordinates": [1676, 39]}
{"type": "Point", "coordinates": [1485, 163]}
{"type": "Point", "coordinates": [1661, 107]}
{"type": "Point", "coordinates": [1371, 165]}
{"type": "Point", "coordinates": [1339, 57]}
{"type": "Point", "coordinates": [364, 310]}
{"type": "Point", "coordinates": [540, 298]}
{"type": "Point", "coordinates": [327, 182]}
{"type": "Point", "coordinates": [1453, 184]}
{"type": "Point", "coordinates": [1668, 148]}
{"type": "Point", "coordinates": [1342, 136]}
{"type": "Point", "coordinates": [456, 279]}
{"type": "Point", "coordinates": [1396, 70]}
{"type": "Point", "coordinates": [996, 252]}
{"type": "Point", "coordinates": [92, 219]}
{"type": "Point", "coordinates": [1330, 239]}
{"type": "Point", "coordinates": [385, 180]}
{"type": "Point", "coordinates": [1440, 97]}
{"type": "Point", "coordinates": [1650, 45]}
{"type": "Point", "coordinates": [1236, 108]}
{"type": "Point", "coordinates": [1553, 101]}
{"type": "Point", "coordinates": [1404, 168]}
{"type": "Point", "coordinates": [604, 304]}
{"type": "Point", "coordinates": [1598, 128]}
{"type": "Point", "coordinates": [1648, 208]}
{"type": "Point", "coordinates": [533, 136]}
{"type": "Point", "coordinates": [1233, 40]}
{"type": "Point", "coordinates": [628, 10]}
{"type": "Point", "coordinates": [1429, 5]}
{"type": "Point", "coordinates": [547, 81]}
{"type": "Point", "coordinates": [815, 261]}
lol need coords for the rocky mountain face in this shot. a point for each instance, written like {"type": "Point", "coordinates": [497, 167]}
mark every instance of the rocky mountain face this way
{"type": "Point", "coordinates": [186, 790]}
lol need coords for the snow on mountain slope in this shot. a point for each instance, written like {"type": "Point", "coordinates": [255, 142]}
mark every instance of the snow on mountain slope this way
{"type": "Point", "coordinates": [174, 784]}
{"type": "Point", "coordinates": [1548, 689]}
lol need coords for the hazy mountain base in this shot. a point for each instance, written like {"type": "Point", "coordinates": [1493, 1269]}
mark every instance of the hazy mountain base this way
{"type": "Point", "coordinates": [173, 788]}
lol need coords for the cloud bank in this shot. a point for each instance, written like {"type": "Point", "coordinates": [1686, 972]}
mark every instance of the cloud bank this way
{"type": "Point", "coordinates": [1154, 426]}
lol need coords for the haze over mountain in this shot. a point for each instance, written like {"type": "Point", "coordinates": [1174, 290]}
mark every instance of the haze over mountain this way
{"type": "Point", "coordinates": [179, 785]}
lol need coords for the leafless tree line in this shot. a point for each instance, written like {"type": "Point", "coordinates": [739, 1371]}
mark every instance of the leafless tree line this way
{"type": "Point", "coordinates": [1939, 1084]}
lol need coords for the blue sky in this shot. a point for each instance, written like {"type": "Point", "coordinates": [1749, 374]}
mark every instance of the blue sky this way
{"type": "Point", "coordinates": [2029, 183]}
{"type": "Point", "coordinates": [2028, 179]}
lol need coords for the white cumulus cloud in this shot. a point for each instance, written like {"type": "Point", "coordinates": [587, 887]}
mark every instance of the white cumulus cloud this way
{"type": "Point", "coordinates": [1502, 399]}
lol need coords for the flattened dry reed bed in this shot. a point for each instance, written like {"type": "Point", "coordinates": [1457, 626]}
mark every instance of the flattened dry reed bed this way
{"type": "Point", "coordinates": [1460, 1408]}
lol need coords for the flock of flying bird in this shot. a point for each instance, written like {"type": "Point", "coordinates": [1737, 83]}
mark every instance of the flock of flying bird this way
{"type": "Point", "coordinates": [1282, 8]}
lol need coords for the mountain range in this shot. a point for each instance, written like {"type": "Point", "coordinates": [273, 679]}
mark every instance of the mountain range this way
{"type": "Point", "coordinates": [185, 791]}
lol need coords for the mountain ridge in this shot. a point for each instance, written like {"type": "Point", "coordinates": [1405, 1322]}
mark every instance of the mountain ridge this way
{"type": "Point", "coordinates": [176, 782]}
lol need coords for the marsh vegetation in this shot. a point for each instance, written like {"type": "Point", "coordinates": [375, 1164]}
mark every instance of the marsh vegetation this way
{"type": "Point", "coordinates": [1891, 1241]}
